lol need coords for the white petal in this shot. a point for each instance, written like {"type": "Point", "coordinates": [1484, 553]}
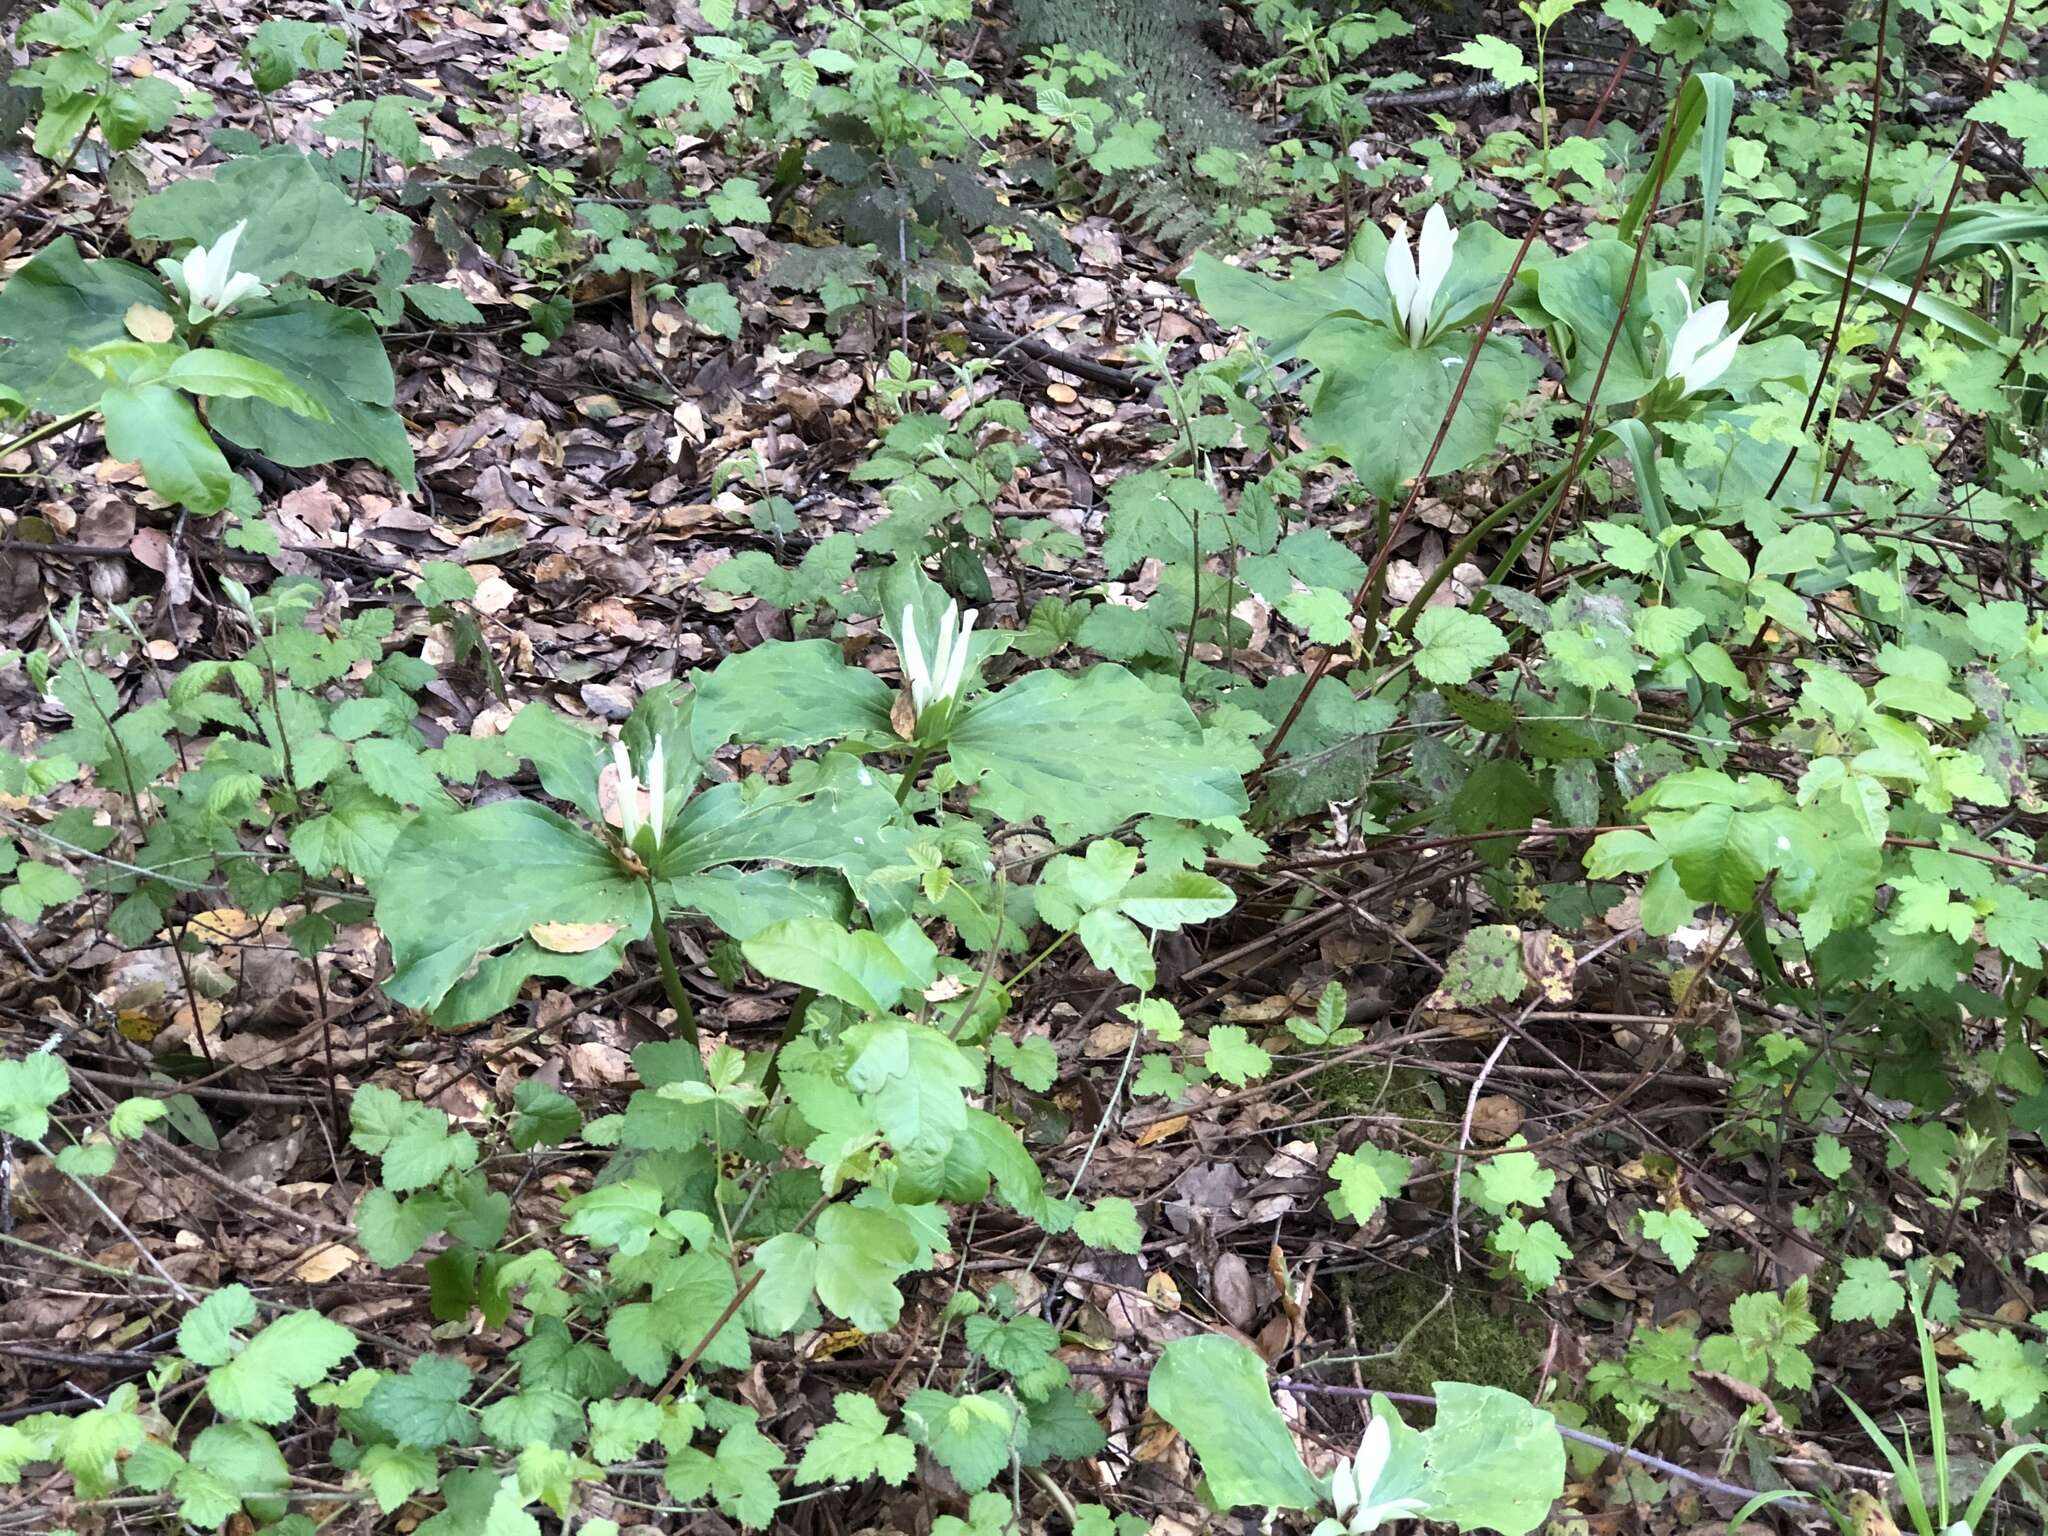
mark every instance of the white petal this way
{"type": "Point", "coordinates": [224, 248]}
{"type": "Point", "coordinates": [625, 793]}
{"type": "Point", "coordinates": [1373, 1451]}
{"type": "Point", "coordinates": [1401, 279]}
{"type": "Point", "coordinates": [1433, 265]}
{"type": "Point", "coordinates": [1701, 330]}
{"type": "Point", "coordinates": [913, 660]}
{"type": "Point", "coordinates": [957, 670]}
{"type": "Point", "coordinates": [1343, 1490]}
{"type": "Point", "coordinates": [1711, 364]}
{"type": "Point", "coordinates": [942, 659]}
{"type": "Point", "coordinates": [243, 285]}
{"type": "Point", "coordinates": [198, 277]}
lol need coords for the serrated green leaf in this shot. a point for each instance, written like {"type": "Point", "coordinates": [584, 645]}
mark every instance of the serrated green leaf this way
{"type": "Point", "coordinates": [298, 1350]}
{"type": "Point", "coordinates": [856, 1446]}
{"type": "Point", "coordinates": [1112, 1223]}
{"type": "Point", "coordinates": [969, 1436]}
{"type": "Point", "coordinates": [1454, 645]}
{"type": "Point", "coordinates": [1497, 57]}
{"type": "Point", "coordinates": [29, 1085]}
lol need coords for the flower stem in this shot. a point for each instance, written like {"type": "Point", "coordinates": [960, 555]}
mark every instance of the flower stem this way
{"type": "Point", "coordinates": [672, 982]}
{"type": "Point", "coordinates": [910, 773]}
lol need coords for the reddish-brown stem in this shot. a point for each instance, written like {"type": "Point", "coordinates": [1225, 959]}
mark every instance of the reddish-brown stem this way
{"type": "Point", "coordinates": [1827, 355]}
{"type": "Point", "coordinates": [739, 1299]}
{"type": "Point", "coordinates": [1370, 585]}
{"type": "Point", "coordinates": [1577, 462]}
{"type": "Point", "coordinates": [1891, 351]}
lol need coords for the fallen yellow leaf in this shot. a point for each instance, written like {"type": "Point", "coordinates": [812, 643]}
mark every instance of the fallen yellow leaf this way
{"type": "Point", "coordinates": [147, 323]}
{"type": "Point", "coordinates": [572, 938]}
{"type": "Point", "coordinates": [325, 1262]}
{"type": "Point", "coordinates": [1159, 1130]}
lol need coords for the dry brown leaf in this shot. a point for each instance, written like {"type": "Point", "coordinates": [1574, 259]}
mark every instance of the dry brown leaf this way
{"type": "Point", "coordinates": [572, 938]}
{"type": "Point", "coordinates": [145, 322]}
{"type": "Point", "coordinates": [1159, 1130]}
{"type": "Point", "coordinates": [1108, 1039]}
{"type": "Point", "coordinates": [326, 1262]}
{"type": "Point", "coordinates": [1232, 1288]}
{"type": "Point", "coordinates": [1495, 1118]}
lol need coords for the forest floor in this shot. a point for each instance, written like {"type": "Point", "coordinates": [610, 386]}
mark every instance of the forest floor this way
{"type": "Point", "coordinates": [593, 488]}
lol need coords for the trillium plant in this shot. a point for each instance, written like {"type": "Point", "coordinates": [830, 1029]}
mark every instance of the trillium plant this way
{"type": "Point", "coordinates": [206, 279]}
{"type": "Point", "coordinates": [1416, 278]}
{"type": "Point", "coordinates": [1704, 347]}
{"type": "Point", "coordinates": [1358, 1486]}
{"type": "Point", "coordinates": [782, 867]}
{"type": "Point", "coordinates": [937, 683]}
{"type": "Point", "coordinates": [640, 807]}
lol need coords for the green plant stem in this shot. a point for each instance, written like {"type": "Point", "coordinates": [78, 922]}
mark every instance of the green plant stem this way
{"type": "Point", "coordinates": [1033, 963]}
{"type": "Point", "coordinates": [47, 429]}
{"type": "Point", "coordinates": [1464, 547]}
{"type": "Point", "coordinates": [672, 984]}
{"type": "Point", "coordinates": [1569, 476]}
{"type": "Point", "coordinates": [910, 773]}
{"type": "Point", "coordinates": [799, 1010]}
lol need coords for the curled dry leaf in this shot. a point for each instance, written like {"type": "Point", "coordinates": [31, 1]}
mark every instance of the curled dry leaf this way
{"type": "Point", "coordinates": [1495, 1118]}
{"type": "Point", "coordinates": [1160, 1130]}
{"type": "Point", "coordinates": [147, 323]}
{"type": "Point", "coordinates": [325, 1263]}
{"type": "Point", "coordinates": [572, 938]}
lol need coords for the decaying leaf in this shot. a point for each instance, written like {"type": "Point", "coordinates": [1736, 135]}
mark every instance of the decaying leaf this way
{"type": "Point", "coordinates": [572, 938]}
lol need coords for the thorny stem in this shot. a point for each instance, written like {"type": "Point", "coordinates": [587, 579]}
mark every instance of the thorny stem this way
{"type": "Point", "coordinates": [179, 928]}
{"type": "Point", "coordinates": [1369, 588]}
{"type": "Point", "coordinates": [1969, 140]}
{"type": "Point", "coordinates": [1582, 448]}
{"type": "Point", "coordinates": [1834, 342]}
{"type": "Point", "coordinates": [739, 1299]}
{"type": "Point", "coordinates": [799, 1010]}
{"type": "Point", "coordinates": [1404, 622]}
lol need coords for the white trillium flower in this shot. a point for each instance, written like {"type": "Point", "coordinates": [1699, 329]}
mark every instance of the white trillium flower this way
{"type": "Point", "coordinates": [1352, 1484]}
{"type": "Point", "coordinates": [208, 280]}
{"type": "Point", "coordinates": [940, 681]}
{"type": "Point", "coordinates": [1417, 278]}
{"type": "Point", "coordinates": [1703, 347]}
{"type": "Point", "coordinates": [626, 792]}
